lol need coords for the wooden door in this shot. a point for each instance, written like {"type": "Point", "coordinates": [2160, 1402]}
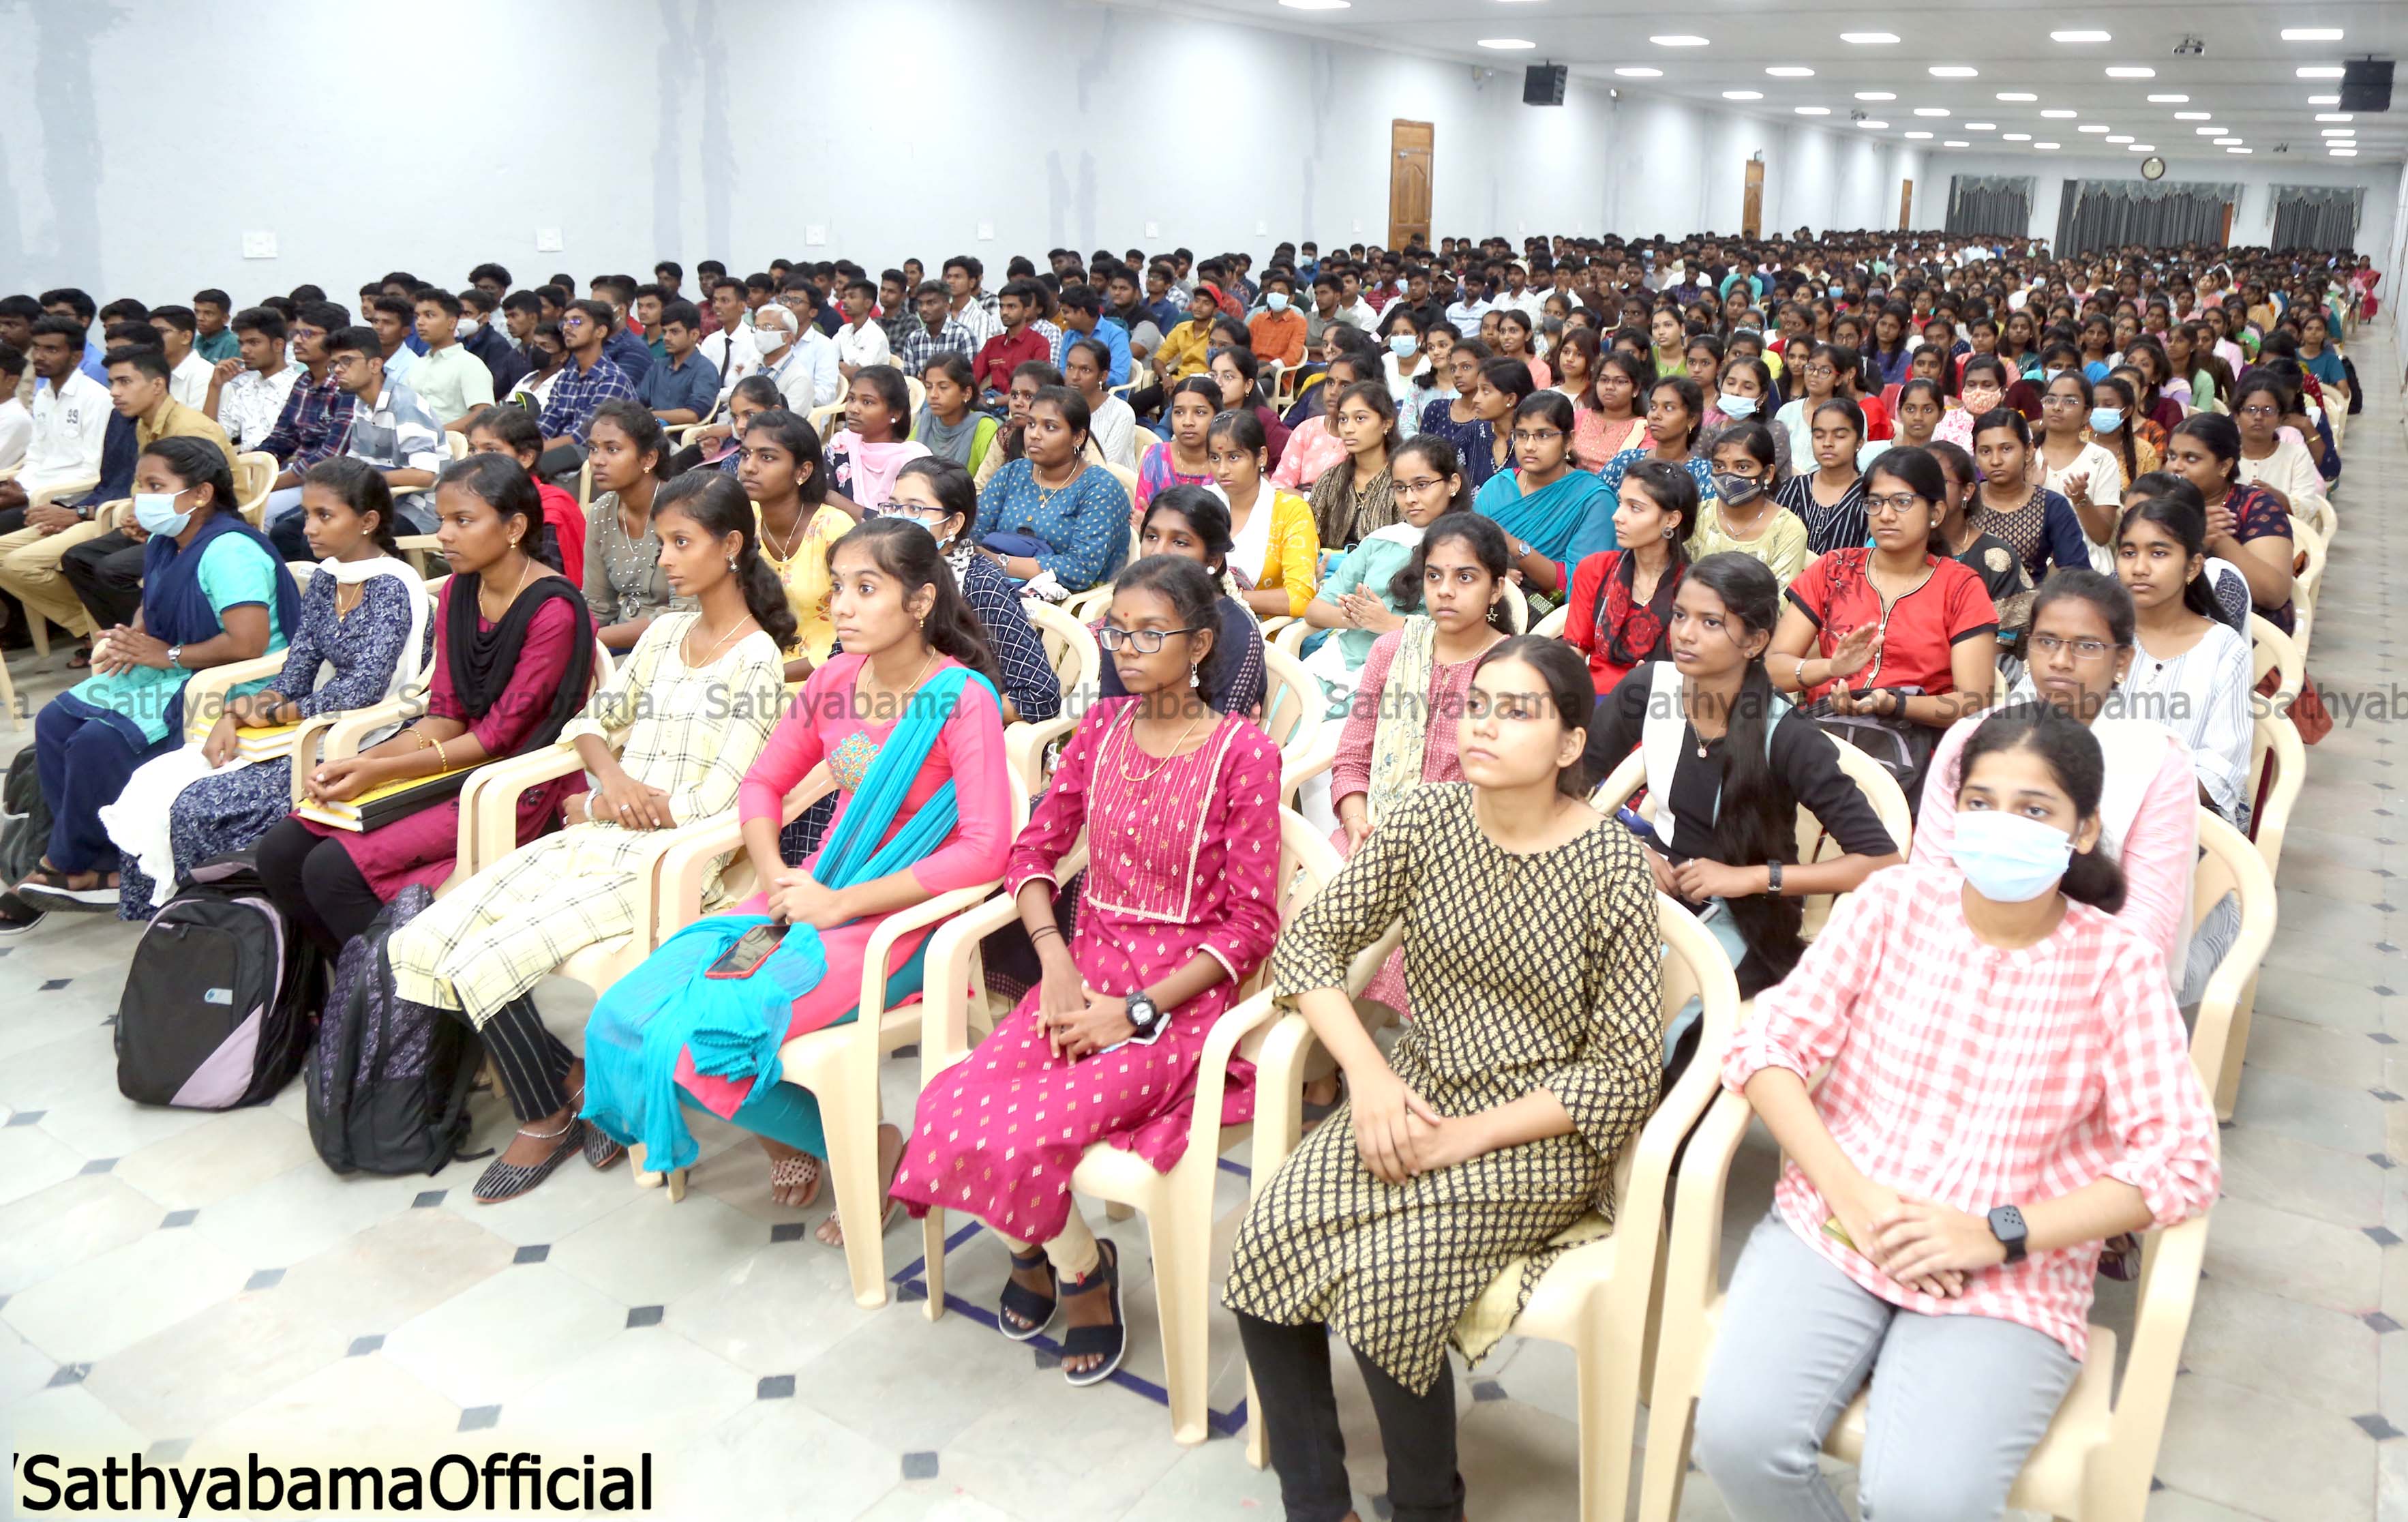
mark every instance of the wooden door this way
{"type": "Point", "coordinates": [1408, 183]}
{"type": "Point", "coordinates": [1751, 213]}
{"type": "Point", "coordinates": [1905, 205]}
{"type": "Point", "coordinates": [2223, 238]}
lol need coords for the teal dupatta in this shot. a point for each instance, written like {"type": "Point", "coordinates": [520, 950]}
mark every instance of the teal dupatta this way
{"type": "Point", "coordinates": [735, 1026]}
{"type": "Point", "coordinates": [1566, 521]}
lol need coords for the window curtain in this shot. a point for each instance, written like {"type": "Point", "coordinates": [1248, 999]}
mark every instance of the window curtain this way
{"type": "Point", "coordinates": [2112, 213]}
{"type": "Point", "coordinates": [1998, 204]}
{"type": "Point", "coordinates": [2323, 217]}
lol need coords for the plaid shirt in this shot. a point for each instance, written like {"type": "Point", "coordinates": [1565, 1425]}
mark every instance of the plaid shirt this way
{"type": "Point", "coordinates": [312, 424]}
{"type": "Point", "coordinates": [1976, 1077]}
{"type": "Point", "coordinates": [915, 346]}
{"type": "Point", "coordinates": [576, 394]}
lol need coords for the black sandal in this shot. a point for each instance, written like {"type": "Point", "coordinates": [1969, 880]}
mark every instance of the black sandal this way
{"type": "Point", "coordinates": [1111, 1341]}
{"type": "Point", "coordinates": [1034, 1311]}
{"type": "Point", "coordinates": [508, 1180]}
{"type": "Point", "coordinates": [1315, 1111]}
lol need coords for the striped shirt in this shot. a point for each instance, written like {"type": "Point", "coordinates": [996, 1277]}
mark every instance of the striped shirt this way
{"type": "Point", "coordinates": [1975, 1077]}
{"type": "Point", "coordinates": [2202, 696]}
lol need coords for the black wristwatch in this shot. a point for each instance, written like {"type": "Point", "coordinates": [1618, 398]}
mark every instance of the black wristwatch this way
{"type": "Point", "coordinates": [1773, 885]}
{"type": "Point", "coordinates": [1146, 1015]}
{"type": "Point", "coordinates": [2007, 1224]}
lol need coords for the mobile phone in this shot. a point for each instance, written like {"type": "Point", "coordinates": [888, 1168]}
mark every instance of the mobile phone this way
{"type": "Point", "coordinates": [751, 950]}
{"type": "Point", "coordinates": [1635, 822]}
{"type": "Point", "coordinates": [1833, 1229]}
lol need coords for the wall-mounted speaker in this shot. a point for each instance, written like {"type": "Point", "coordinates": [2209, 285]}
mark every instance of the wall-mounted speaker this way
{"type": "Point", "coordinates": [2366, 85]}
{"type": "Point", "coordinates": [1542, 84]}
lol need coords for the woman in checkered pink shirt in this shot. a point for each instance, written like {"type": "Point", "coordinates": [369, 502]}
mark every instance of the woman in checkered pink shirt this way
{"type": "Point", "coordinates": [2010, 1084]}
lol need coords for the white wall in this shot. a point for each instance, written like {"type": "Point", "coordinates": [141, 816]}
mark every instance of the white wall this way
{"type": "Point", "coordinates": [2253, 216]}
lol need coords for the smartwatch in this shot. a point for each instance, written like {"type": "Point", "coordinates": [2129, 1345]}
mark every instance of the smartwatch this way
{"type": "Point", "coordinates": [1772, 887]}
{"type": "Point", "coordinates": [2007, 1224]}
{"type": "Point", "coordinates": [1146, 1015]}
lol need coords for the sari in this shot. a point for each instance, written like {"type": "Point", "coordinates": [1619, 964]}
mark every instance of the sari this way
{"type": "Point", "coordinates": [1566, 521]}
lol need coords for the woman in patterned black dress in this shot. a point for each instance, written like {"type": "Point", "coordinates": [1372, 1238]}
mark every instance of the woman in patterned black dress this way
{"type": "Point", "coordinates": [1532, 948]}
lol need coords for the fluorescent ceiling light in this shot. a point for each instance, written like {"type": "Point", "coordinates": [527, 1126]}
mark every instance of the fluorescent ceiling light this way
{"type": "Point", "coordinates": [2130, 72]}
{"type": "Point", "coordinates": [2324, 100]}
{"type": "Point", "coordinates": [2209, 132]}
{"type": "Point", "coordinates": [2044, 145]}
{"type": "Point", "coordinates": [1507, 44]}
{"type": "Point", "coordinates": [2341, 132]}
{"type": "Point", "coordinates": [2080, 36]}
{"type": "Point", "coordinates": [1639, 73]}
{"type": "Point", "coordinates": [1953, 71]}
{"type": "Point", "coordinates": [1869, 39]}
{"type": "Point", "coordinates": [2121, 137]}
{"type": "Point", "coordinates": [1743, 94]}
{"type": "Point", "coordinates": [1874, 94]}
{"type": "Point", "coordinates": [1981, 126]}
{"type": "Point", "coordinates": [1919, 135]}
{"type": "Point", "coordinates": [1956, 142]}
{"type": "Point", "coordinates": [2228, 142]}
{"type": "Point", "coordinates": [2193, 116]}
{"type": "Point", "coordinates": [2140, 148]}
{"type": "Point", "coordinates": [1931, 110]}
{"type": "Point", "coordinates": [2321, 71]}
{"type": "Point", "coordinates": [2312, 33]}
{"type": "Point", "coordinates": [2016, 95]}
{"type": "Point", "coordinates": [1791, 71]}
{"type": "Point", "coordinates": [2343, 153]}
{"type": "Point", "coordinates": [2093, 126]}
{"type": "Point", "coordinates": [1677, 40]}
{"type": "Point", "coordinates": [1317, 5]}
{"type": "Point", "coordinates": [1814, 110]}
{"type": "Point", "coordinates": [2019, 138]}
{"type": "Point", "coordinates": [2241, 150]}
{"type": "Point", "coordinates": [2169, 100]}
{"type": "Point", "coordinates": [2060, 116]}
{"type": "Point", "coordinates": [1873, 126]}
{"type": "Point", "coordinates": [2333, 116]}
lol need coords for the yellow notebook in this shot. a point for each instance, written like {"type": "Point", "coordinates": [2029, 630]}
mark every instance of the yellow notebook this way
{"type": "Point", "coordinates": [269, 745]}
{"type": "Point", "coordinates": [381, 806]}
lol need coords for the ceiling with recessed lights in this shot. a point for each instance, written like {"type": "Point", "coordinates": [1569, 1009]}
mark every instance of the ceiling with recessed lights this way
{"type": "Point", "coordinates": [2184, 81]}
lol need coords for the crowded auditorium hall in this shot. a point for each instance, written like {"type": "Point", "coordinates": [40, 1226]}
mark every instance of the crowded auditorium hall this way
{"type": "Point", "coordinates": [1605, 704]}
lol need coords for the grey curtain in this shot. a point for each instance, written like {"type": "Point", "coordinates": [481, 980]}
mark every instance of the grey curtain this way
{"type": "Point", "coordinates": [1990, 203]}
{"type": "Point", "coordinates": [2111, 213]}
{"type": "Point", "coordinates": [2321, 217]}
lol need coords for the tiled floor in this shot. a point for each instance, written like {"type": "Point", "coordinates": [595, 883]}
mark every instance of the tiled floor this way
{"type": "Point", "coordinates": [191, 1285]}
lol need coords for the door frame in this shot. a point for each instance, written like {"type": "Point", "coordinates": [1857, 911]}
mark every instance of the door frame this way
{"type": "Point", "coordinates": [1396, 128]}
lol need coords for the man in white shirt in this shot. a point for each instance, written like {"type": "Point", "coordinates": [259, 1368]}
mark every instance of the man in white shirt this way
{"type": "Point", "coordinates": [247, 394]}
{"type": "Point", "coordinates": [814, 351]}
{"type": "Point", "coordinates": [860, 341]}
{"type": "Point", "coordinates": [1352, 308]}
{"type": "Point", "coordinates": [732, 351]}
{"type": "Point", "coordinates": [1465, 314]}
{"type": "Point", "coordinates": [773, 329]}
{"type": "Point", "coordinates": [187, 373]}
{"type": "Point", "coordinates": [16, 418]}
{"type": "Point", "coordinates": [71, 412]}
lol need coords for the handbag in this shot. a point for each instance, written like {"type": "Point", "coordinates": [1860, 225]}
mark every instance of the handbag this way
{"type": "Point", "coordinates": [1901, 747]}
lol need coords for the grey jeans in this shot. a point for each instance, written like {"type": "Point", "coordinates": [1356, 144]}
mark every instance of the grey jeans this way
{"type": "Point", "coordinates": [1957, 1400]}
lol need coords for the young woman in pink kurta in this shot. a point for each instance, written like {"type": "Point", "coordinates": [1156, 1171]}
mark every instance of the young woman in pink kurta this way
{"type": "Point", "coordinates": [1180, 808]}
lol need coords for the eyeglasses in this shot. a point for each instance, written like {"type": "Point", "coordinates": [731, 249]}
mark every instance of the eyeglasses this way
{"type": "Point", "coordinates": [2060, 401]}
{"type": "Point", "coordinates": [571, 324]}
{"type": "Point", "coordinates": [1901, 503]}
{"type": "Point", "coordinates": [1426, 483]}
{"type": "Point", "coordinates": [1144, 641]}
{"type": "Point", "coordinates": [2261, 410]}
{"type": "Point", "coordinates": [2084, 650]}
{"type": "Point", "coordinates": [1818, 369]}
{"type": "Point", "coordinates": [1535, 436]}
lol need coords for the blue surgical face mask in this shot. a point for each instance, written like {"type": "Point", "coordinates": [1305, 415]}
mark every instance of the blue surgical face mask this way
{"type": "Point", "coordinates": [1737, 408]}
{"type": "Point", "coordinates": [1276, 301]}
{"type": "Point", "coordinates": [1403, 344]}
{"type": "Point", "coordinates": [156, 512]}
{"type": "Point", "coordinates": [1837, 292]}
{"type": "Point", "coordinates": [2105, 418]}
{"type": "Point", "coordinates": [2008, 858]}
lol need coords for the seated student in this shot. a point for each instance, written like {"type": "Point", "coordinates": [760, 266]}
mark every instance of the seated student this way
{"type": "Point", "coordinates": [2074, 465]}
{"type": "Point", "coordinates": [1356, 497]}
{"type": "Point", "coordinates": [682, 387]}
{"type": "Point", "coordinates": [1962, 538]}
{"type": "Point", "coordinates": [1713, 732]}
{"type": "Point", "coordinates": [1018, 343]}
{"type": "Point", "coordinates": [1359, 596]}
{"type": "Point", "coordinates": [785, 475]}
{"type": "Point", "coordinates": [1500, 388]}
{"type": "Point", "coordinates": [451, 383]}
{"type": "Point", "coordinates": [246, 391]}
{"type": "Point", "coordinates": [482, 335]}
{"type": "Point", "coordinates": [874, 441]}
{"type": "Point", "coordinates": [16, 418]}
{"type": "Point", "coordinates": [187, 372]}
{"type": "Point", "coordinates": [1085, 366]}
{"type": "Point", "coordinates": [2246, 525]}
{"type": "Point", "coordinates": [513, 658]}
{"type": "Point", "coordinates": [860, 341]}
{"type": "Point", "coordinates": [1746, 514]}
{"type": "Point", "coordinates": [582, 384]}
{"type": "Point", "coordinates": [512, 430]}
{"type": "Point", "coordinates": [728, 343]}
{"type": "Point", "coordinates": [1275, 548]}
{"type": "Point", "coordinates": [2039, 524]}
{"type": "Point", "coordinates": [1277, 331]}
{"type": "Point", "coordinates": [1829, 499]}
{"type": "Point", "coordinates": [213, 593]}
{"type": "Point", "coordinates": [211, 336]}
{"type": "Point", "coordinates": [1193, 523]}
{"type": "Point", "coordinates": [624, 586]}
{"type": "Point", "coordinates": [1620, 612]}
{"type": "Point", "coordinates": [1234, 368]}
{"type": "Point", "coordinates": [1184, 458]}
{"type": "Point", "coordinates": [70, 412]}
{"type": "Point", "coordinates": [906, 721]}
{"type": "Point", "coordinates": [1053, 512]}
{"type": "Point", "coordinates": [940, 496]}
{"type": "Point", "coordinates": [2079, 649]}
{"type": "Point", "coordinates": [1828, 372]}
{"type": "Point", "coordinates": [1082, 312]}
{"type": "Point", "coordinates": [391, 316]}
{"type": "Point", "coordinates": [1929, 1229]}
{"type": "Point", "coordinates": [361, 638]}
{"type": "Point", "coordinates": [1026, 382]}
{"type": "Point", "coordinates": [547, 358]}
{"type": "Point", "coordinates": [390, 429]}
{"type": "Point", "coordinates": [1895, 632]}
{"type": "Point", "coordinates": [1170, 921]}
{"type": "Point", "coordinates": [719, 444]}
{"type": "Point", "coordinates": [2191, 672]}
{"type": "Point", "coordinates": [2272, 458]}
{"type": "Point", "coordinates": [1313, 445]}
{"type": "Point", "coordinates": [692, 706]}
{"type": "Point", "coordinates": [1494, 1121]}
{"type": "Point", "coordinates": [1557, 516]}
{"type": "Point", "coordinates": [948, 424]}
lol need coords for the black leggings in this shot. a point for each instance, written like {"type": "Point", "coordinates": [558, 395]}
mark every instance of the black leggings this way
{"type": "Point", "coordinates": [1299, 1416]}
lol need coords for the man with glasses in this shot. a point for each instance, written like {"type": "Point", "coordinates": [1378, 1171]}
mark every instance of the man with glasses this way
{"type": "Point", "coordinates": [317, 411]}
{"type": "Point", "coordinates": [814, 351]}
{"type": "Point", "coordinates": [585, 383]}
{"type": "Point", "coordinates": [390, 429]}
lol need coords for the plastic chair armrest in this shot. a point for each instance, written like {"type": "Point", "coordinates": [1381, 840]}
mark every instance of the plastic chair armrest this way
{"type": "Point", "coordinates": [489, 805]}
{"type": "Point", "coordinates": [1319, 755]}
{"type": "Point", "coordinates": [2168, 1288]}
{"type": "Point", "coordinates": [1023, 749]}
{"type": "Point", "coordinates": [685, 866]}
{"type": "Point", "coordinates": [945, 991]}
{"type": "Point", "coordinates": [1213, 1068]}
{"type": "Point", "coordinates": [204, 692]}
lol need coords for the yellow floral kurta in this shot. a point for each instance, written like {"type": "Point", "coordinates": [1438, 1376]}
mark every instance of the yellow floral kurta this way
{"type": "Point", "coordinates": [690, 731]}
{"type": "Point", "coordinates": [1292, 559]}
{"type": "Point", "coordinates": [804, 574]}
{"type": "Point", "coordinates": [1529, 971]}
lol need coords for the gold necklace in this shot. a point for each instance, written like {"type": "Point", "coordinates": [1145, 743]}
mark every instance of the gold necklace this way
{"type": "Point", "coordinates": [905, 693]}
{"type": "Point", "coordinates": [1163, 764]}
{"type": "Point", "coordinates": [785, 552]}
{"type": "Point", "coordinates": [713, 653]}
{"type": "Point", "coordinates": [524, 577]}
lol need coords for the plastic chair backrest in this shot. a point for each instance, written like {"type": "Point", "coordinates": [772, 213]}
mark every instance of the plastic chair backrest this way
{"type": "Point", "coordinates": [255, 477]}
{"type": "Point", "coordinates": [819, 417]}
{"type": "Point", "coordinates": [919, 392]}
{"type": "Point", "coordinates": [1306, 862]}
{"type": "Point", "coordinates": [2272, 650]}
{"type": "Point", "coordinates": [1695, 967]}
{"type": "Point", "coordinates": [1069, 645]}
{"type": "Point", "coordinates": [1517, 609]}
{"type": "Point", "coordinates": [458, 444]}
{"type": "Point", "coordinates": [1127, 479]}
{"type": "Point", "coordinates": [1292, 701]}
{"type": "Point", "coordinates": [2279, 767]}
{"type": "Point", "coordinates": [1552, 627]}
{"type": "Point", "coordinates": [2229, 864]}
{"type": "Point", "coordinates": [2310, 579]}
{"type": "Point", "coordinates": [585, 484]}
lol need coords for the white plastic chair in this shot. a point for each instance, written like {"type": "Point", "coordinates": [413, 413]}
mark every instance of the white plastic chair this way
{"type": "Point", "coordinates": [1078, 665]}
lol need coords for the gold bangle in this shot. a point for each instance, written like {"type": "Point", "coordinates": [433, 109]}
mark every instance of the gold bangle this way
{"type": "Point", "coordinates": [420, 734]}
{"type": "Point", "coordinates": [442, 762]}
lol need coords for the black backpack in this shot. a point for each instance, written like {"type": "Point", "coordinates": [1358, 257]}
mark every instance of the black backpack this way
{"type": "Point", "coordinates": [24, 825]}
{"type": "Point", "coordinates": [216, 1009]}
{"type": "Point", "coordinates": [387, 1080]}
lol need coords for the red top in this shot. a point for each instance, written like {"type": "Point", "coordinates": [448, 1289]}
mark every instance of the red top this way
{"type": "Point", "coordinates": [1627, 627]}
{"type": "Point", "coordinates": [1004, 354]}
{"type": "Point", "coordinates": [1918, 631]}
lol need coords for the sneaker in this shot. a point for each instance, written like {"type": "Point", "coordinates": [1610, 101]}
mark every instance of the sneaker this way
{"type": "Point", "coordinates": [18, 916]}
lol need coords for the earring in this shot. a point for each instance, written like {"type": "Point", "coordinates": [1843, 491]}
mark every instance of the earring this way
{"type": "Point", "coordinates": [1671, 532]}
{"type": "Point", "coordinates": [731, 564]}
{"type": "Point", "coordinates": [1195, 675]}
